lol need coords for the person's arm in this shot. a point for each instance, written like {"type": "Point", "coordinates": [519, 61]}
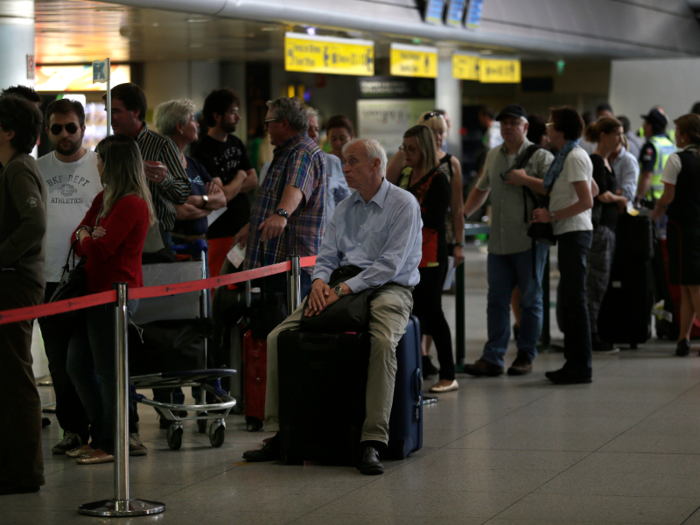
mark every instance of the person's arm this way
{"type": "Point", "coordinates": [628, 176]}
{"type": "Point", "coordinates": [393, 170]}
{"type": "Point", "coordinates": [585, 202]}
{"type": "Point", "coordinates": [123, 218]}
{"type": "Point", "coordinates": [240, 183]}
{"type": "Point", "coordinates": [644, 183]}
{"type": "Point", "coordinates": [25, 194]}
{"type": "Point", "coordinates": [176, 185]}
{"type": "Point", "coordinates": [404, 228]}
{"type": "Point", "coordinates": [327, 260]}
{"type": "Point", "coordinates": [216, 199]}
{"type": "Point", "coordinates": [476, 200]}
{"type": "Point", "coordinates": [274, 225]}
{"type": "Point", "coordinates": [663, 202]}
{"type": "Point", "coordinates": [457, 208]}
{"type": "Point", "coordinates": [647, 159]}
{"type": "Point", "coordinates": [521, 178]}
{"type": "Point", "coordinates": [190, 212]}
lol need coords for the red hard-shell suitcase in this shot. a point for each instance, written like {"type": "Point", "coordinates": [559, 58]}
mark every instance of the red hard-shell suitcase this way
{"type": "Point", "coordinates": [254, 380]}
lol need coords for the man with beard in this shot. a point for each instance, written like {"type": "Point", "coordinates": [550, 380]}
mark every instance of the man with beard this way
{"type": "Point", "coordinates": [70, 173]}
{"type": "Point", "coordinates": [225, 158]}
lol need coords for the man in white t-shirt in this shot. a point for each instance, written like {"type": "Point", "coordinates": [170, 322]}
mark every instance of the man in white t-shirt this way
{"type": "Point", "coordinates": [70, 173]}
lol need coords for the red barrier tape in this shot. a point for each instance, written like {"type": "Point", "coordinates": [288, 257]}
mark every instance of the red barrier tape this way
{"type": "Point", "coordinates": [87, 301]}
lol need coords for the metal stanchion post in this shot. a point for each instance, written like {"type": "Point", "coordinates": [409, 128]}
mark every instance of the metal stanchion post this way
{"type": "Point", "coordinates": [294, 284]}
{"type": "Point", "coordinates": [121, 505]}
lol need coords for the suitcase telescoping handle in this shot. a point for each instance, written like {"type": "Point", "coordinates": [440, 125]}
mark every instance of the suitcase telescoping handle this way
{"type": "Point", "coordinates": [417, 384]}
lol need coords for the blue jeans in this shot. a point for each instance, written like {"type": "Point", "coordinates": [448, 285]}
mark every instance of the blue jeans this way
{"type": "Point", "coordinates": [573, 250]}
{"type": "Point", "coordinates": [91, 367]}
{"type": "Point", "coordinates": [504, 273]}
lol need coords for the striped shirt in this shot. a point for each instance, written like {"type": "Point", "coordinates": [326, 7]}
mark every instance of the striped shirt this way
{"type": "Point", "coordinates": [175, 188]}
{"type": "Point", "coordinates": [297, 162]}
{"type": "Point", "coordinates": [508, 225]}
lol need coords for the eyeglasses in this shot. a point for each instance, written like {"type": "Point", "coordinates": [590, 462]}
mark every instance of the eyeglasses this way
{"type": "Point", "coordinates": [408, 149]}
{"type": "Point", "coordinates": [71, 128]}
{"type": "Point", "coordinates": [428, 116]}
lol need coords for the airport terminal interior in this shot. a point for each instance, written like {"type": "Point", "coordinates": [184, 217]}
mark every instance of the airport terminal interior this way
{"type": "Point", "coordinates": [504, 449]}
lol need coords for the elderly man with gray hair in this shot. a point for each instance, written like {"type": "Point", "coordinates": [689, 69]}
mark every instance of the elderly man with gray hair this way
{"type": "Point", "coordinates": [378, 229]}
{"type": "Point", "coordinates": [292, 196]}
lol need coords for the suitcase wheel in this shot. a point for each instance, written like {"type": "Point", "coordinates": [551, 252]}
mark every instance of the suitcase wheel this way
{"type": "Point", "coordinates": [217, 433]}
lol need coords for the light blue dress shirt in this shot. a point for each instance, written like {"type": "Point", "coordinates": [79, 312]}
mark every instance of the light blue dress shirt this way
{"type": "Point", "coordinates": [337, 186]}
{"type": "Point", "coordinates": [382, 236]}
{"type": "Point", "coordinates": [626, 168]}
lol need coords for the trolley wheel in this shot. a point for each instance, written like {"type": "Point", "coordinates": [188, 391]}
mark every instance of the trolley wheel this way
{"type": "Point", "coordinates": [174, 437]}
{"type": "Point", "coordinates": [217, 434]}
{"type": "Point", "coordinates": [202, 426]}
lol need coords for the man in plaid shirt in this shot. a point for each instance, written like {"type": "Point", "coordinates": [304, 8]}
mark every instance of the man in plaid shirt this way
{"type": "Point", "coordinates": [293, 195]}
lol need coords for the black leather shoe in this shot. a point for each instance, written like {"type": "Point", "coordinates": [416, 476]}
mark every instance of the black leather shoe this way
{"type": "Point", "coordinates": [683, 348]}
{"type": "Point", "coordinates": [565, 377]}
{"type": "Point", "coordinates": [368, 461]}
{"type": "Point", "coordinates": [269, 452]}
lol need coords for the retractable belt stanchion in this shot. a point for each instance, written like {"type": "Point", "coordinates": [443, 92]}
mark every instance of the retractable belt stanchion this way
{"type": "Point", "coordinates": [121, 505]}
{"type": "Point", "coordinates": [294, 284]}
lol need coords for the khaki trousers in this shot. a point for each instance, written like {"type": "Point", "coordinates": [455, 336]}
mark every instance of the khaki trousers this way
{"type": "Point", "coordinates": [390, 309]}
{"type": "Point", "coordinates": [21, 459]}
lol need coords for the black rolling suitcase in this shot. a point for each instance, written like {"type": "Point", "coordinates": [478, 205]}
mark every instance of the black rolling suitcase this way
{"type": "Point", "coordinates": [322, 381]}
{"type": "Point", "coordinates": [625, 314]}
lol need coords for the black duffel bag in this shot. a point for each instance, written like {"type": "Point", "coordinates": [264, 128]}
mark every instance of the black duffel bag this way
{"type": "Point", "coordinates": [350, 313]}
{"type": "Point", "coordinates": [168, 346]}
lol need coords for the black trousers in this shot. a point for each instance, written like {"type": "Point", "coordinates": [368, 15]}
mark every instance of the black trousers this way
{"type": "Point", "coordinates": [21, 459]}
{"type": "Point", "coordinates": [573, 250]}
{"type": "Point", "coordinates": [69, 409]}
{"type": "Point", "coordinates": [427, 306]}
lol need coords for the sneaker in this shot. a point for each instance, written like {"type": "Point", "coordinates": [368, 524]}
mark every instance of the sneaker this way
{"type": "Point", "coordinates": [683, 348]}
{"type": "Point", "coordinates": [77, 452]}
{"type": "Point", "coordinates": [520, 367]}
{"type": "Point", "coordinates": [603, 348]}
{"type": "Point", "coordinates": [69, 442]}
{"type": "Point", "coordinates": [428, 367]}
{"type": "Point", "coordinates": [136, 448]}
{"type": "Point", "coordinates": [483, 368]}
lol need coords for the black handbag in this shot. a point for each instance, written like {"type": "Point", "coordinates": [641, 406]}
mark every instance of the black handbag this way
{"type": "Point", "coordinates": [350, 313]}
{"type": "Point", "coordinates": [73, 280]}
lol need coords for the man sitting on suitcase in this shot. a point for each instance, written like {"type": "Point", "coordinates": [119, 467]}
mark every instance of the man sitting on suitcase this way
{"type": "Point", "coordinates": [377, 228]}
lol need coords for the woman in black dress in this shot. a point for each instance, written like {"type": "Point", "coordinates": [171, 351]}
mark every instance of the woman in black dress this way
{"type": "Point", "coordinates": [681, 202]}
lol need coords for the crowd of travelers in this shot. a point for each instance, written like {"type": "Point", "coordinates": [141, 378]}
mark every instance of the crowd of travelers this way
{"type": "Point", "coordinates": [398, 221]}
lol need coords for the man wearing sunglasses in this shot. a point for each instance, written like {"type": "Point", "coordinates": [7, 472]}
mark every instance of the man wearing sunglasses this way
{"type": "Point", "coordinates": [72, 180]}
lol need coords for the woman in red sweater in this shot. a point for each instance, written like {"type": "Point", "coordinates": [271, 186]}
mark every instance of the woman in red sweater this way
{"type": "Point", "coordinates": [111, 236]}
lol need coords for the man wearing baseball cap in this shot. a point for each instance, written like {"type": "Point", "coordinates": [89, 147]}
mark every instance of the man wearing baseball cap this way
{"type": "Point", "coordinates": [511, 258]}
{"type": "Point", "coordinates": [654, 154]}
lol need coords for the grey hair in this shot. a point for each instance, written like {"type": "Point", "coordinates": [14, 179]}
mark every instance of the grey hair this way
{"type": "Point", "coordinates": [172, 112]}
{"type": "Point", "coordinates": [374, 151]}
{"type": "Point", "coordinates": [311, 112]}
{"type": "Point", "coordinates": [291, 109]}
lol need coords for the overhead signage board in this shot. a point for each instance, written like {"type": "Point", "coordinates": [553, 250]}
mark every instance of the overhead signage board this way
{"type": "Point", "coordinates": [465, 66]}
{"type": "Point", "coordinates": [337, 56]}
{"type": "Point", "coordinates": [499, 70]}
{"type": "Point", "coordinates": [434, 10]}
{"type": "Point", "coordinates": [474, 12]}
{"type": "Point", "coordinates": [455, 12]}
{"type": "Point", "coordinates": [396, 87]}
{"type": "Point", "coordinates": [414, 61]}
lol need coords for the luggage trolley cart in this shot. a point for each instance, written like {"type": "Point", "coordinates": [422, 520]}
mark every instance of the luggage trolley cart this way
{"type": "Point", "coordinates": [187, 306]}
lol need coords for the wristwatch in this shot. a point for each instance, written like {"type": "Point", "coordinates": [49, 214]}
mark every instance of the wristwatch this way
{"type": "Point", "coordinates": [282, 213]}
{"type": "Point", "coordinates": [338, 291]}
{"type": "Point", "coordinates": [205, 198]}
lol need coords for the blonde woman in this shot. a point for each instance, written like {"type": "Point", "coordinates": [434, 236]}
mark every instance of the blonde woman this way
{"type": "Point", "coordinates": [422, 177]}
{"type": "Point", "coordinates": [111, 237]}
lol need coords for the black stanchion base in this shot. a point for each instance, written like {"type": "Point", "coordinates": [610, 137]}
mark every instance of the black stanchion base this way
{"type": "Point", "coordinates": [115, 508]}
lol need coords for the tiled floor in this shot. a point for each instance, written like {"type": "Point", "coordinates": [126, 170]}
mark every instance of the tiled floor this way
{"type": "Point", "coordinates": [502, 451]}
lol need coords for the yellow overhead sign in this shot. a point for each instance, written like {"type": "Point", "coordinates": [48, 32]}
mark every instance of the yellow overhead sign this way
{"type": "Point", "coordinates": [465, 67]}
{"type": "Point", "coordinates": [414, 61]}
{"type": "Point", "coordinates": [499, 70]}
{"type": "Point", "coordinates": [338, 56]}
